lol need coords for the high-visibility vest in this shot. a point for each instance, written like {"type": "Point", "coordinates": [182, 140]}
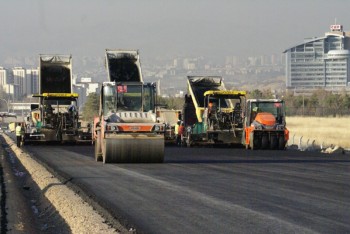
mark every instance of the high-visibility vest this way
{"type": "Point", "coordinates": [18, 131]}
{"type": "Point", "coordinates": [176, 131]}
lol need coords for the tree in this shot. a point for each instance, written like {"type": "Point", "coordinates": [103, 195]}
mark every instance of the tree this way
{"type": "Point", "coordinates": [334, 103]}
{"type": "Point", "coordinates": [255, 94]}
{"type": "Point", "coordinates": [91, 107]}
{"type": "Point", "coordinates": [174, 103]}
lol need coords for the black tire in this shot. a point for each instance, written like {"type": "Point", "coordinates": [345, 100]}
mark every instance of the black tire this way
{"type": "Point", "coordinates": [273, 142]}
{"type": "Point", "coordinates": [264, 141]}
{"type": "Point", "coordinates": [281, 143]}
{"type": "Point", "coordinates": [98, 150]}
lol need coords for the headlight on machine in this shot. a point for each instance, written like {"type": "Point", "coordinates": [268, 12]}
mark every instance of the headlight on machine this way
{"type": "Point", "coordinates": [158, 128]}
{"type": "Point", "coordinates": [258, 127]}
{"type": "Point", "coordinates": [280, 127]}
{"type": "Point", "coordinates": [111, 128]}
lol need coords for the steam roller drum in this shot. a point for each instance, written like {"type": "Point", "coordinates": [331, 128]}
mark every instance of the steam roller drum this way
{"type": "Point", "coordinates": [129, 149]}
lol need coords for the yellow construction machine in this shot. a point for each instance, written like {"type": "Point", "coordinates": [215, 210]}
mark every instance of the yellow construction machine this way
{"type": "Point", "coordinates": [55, 117]}
{"type": "Point", "coordinates": [212, 114]}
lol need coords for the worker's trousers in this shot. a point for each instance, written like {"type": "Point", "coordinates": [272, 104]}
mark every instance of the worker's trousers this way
{"type": "Point", "coordinates": [19, 139]}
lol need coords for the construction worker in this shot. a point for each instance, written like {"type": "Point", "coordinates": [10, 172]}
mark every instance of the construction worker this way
{"type": "Point", "coordinates": [38, 123]}
{"type": "Point", "coordinates": [180, 133]}
{"type": "Point", "coordinates": [176, 130]}
{"type": "Point", "coordinates": [19, 132]}
{"type": "Point", "coordinates": [210, 106]}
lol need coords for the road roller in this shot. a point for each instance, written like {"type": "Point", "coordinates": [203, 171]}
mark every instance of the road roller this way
{"type": "Point", "coordinates": [127, 129]}
{"type": "Point", "coordinates": [265, 124]}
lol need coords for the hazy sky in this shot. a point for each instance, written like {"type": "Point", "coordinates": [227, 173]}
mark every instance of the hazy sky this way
{"type": "Point", "coordinates": [162, 27]}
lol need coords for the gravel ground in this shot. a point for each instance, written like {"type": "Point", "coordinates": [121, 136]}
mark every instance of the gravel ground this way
{"type": "Point", "coordinates": [55, 207]}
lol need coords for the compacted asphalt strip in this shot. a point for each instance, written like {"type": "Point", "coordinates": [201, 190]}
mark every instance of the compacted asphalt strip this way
{"type": "Point", "coordinates": [214, 190]}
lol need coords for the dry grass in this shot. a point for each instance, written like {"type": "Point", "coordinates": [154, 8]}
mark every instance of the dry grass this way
{"type": "Point", "coordinates": [324, 130]}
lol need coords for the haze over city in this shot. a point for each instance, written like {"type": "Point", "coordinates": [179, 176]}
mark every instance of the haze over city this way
{"type": "Point", "coordinates": [164, 28]}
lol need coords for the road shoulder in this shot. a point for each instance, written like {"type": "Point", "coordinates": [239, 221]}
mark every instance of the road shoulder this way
{"type": "Point", "coordinates": [56, 197]}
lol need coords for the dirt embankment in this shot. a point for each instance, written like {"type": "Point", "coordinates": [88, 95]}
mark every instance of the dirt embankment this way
{"type": "Point", "coordinates": [54, 207]}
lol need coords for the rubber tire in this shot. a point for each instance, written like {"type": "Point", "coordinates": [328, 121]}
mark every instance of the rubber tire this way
{"type": "Point", "coordinates": [273, 142]}
{"type": "Point", "coordinates": [281, 143]}
{"type": "Point", "coordinates": [264, 141]}
{"type": "Point", "coordinates": [98, 150]}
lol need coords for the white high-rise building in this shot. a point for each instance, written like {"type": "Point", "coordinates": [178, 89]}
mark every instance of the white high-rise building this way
{"type": "Point", "coordinates": [3, 77]}
{"type": "Point", "coordinates": [19, 80]}
{"type": "Point", "coordinates": [320, 62]}
{"type": "Point", "coordinates": [32, 81]}
{"type": "Point", "coordinates": [6, 82]}
{"type": "Point", "coordinates": [84, 88]}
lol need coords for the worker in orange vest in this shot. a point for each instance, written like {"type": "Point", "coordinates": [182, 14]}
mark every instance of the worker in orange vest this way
{"type": "Point", "coordinates": [180, 133]}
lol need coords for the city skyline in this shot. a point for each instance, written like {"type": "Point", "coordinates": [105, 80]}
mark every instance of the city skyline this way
{"type": "Point", "coordinates": [213, 29]}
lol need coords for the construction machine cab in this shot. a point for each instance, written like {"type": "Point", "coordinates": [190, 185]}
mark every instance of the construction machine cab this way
{"type": "Point", "coordinates": [128, 97]}
{"type": "Point", "coordinates": [256, 107]}
{"type": "Point", "coordinates": [223, 106]}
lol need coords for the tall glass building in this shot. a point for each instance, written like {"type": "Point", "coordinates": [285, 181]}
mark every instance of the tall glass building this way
{"type": "Point", "coordinates": [320, 62]}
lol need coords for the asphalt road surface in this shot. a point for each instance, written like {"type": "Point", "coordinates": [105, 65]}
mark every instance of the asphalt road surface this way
{"type": "Point", "coordinates": [215, 190]}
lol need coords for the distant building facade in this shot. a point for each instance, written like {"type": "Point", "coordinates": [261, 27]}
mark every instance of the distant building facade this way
{"type": "Point", "coordinates": [320, 62]}
{"type": "Point", "coordinates": [32, 81]}
{"type": "Point", "coordinates": [3, 77]}
{"type": "Point", "coordinates": [19, 80]}
{"type": "Point", "coordinates": [84, 88]}
{"type": "Point", "coordinates": [7, 82]}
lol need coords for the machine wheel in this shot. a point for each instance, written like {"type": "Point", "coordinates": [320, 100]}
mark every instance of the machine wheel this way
{"type": "Point", "coordinates": [98, 150]}
{"type": "Point", "coordinates": [281, 143]}
{"type": "Point", "coordinates": [273, 142]}
{"type": "Point", "coordinates": [264, 141]}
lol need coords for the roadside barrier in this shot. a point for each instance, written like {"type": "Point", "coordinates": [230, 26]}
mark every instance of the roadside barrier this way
{"type": "Point", "coordinates": [309, 144]}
